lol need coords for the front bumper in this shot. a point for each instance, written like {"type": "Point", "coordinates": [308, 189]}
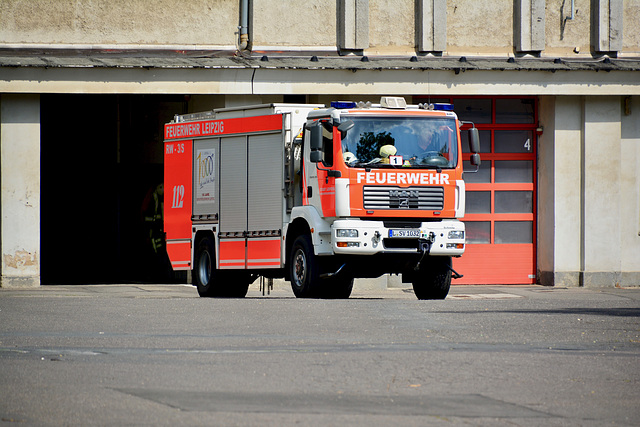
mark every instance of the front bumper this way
{"type": "Point", "coordinates": [372, 237]}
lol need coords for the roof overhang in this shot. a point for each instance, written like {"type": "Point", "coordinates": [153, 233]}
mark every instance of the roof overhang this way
{"type": "Point", "coordinates": [201, 72]}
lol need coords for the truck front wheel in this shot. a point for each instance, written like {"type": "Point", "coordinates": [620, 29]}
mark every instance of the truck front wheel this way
{"type": "Point", "coordinates": [433, 279]}
{"type": "Point", "coordinates": [303, 267]}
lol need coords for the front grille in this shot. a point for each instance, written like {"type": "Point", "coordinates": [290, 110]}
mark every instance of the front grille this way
{"type": "Point", "coordinates": [389, 197]}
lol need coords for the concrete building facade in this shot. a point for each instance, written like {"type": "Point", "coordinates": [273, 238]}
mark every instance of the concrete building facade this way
{"type": "Point", "coordinates": [85, 87]}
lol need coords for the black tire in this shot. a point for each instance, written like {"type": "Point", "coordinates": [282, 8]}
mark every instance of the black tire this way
{"type": "Point", "coordinates": [336, 287]}
{"type": "Point", "coordinates": [433, 280]}
{"type": "Point", "coordinates": [212, 282]}
{"type": "Point", "coordinates": [303, 267]}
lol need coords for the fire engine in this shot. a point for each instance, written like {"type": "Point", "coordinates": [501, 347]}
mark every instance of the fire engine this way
{"type": "Point", "coordinates": [316, 195]}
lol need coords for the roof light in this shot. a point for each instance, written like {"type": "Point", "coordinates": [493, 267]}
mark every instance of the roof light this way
{"type": "Point", "coordinates": [395, 102]}
{"type": "Point", "coordinates": [343, 104]}
{"type": "Point", "coordinates": [442, 106]}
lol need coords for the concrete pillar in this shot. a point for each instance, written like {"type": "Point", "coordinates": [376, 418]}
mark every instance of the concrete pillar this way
{"type": "Point", "coordinates": [431, 25]}
{"type": "Point", "coordinates": [630, 191]}
{"type": "Point", "coordinates": [529, 25]}
{"type": "Point", "coordinates": [353, 24]}
{"type": "Point", "coordinates": [607, 19]}
{"type": "Point", "coordinates": [559, 194]}
{"type": "Point", "coordinates": [601, 187]}
{"type": "Point", "coordinates": [20, 195]}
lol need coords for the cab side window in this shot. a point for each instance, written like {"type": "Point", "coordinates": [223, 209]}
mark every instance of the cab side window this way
{"type": "Point", "coordinates": [327, 144]}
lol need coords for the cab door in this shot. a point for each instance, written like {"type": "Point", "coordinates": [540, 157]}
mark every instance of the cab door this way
{"type": "Point", "coordinates": [319, 187]}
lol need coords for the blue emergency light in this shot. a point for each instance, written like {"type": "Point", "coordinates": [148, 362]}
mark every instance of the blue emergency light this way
{"type": "Point", "coordinates": [443, 106]}
{"type": "Point", "coordinates": [343, 104]}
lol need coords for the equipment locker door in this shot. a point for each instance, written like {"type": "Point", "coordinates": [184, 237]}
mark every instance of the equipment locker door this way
{"type": "Point", "coordinates": [265, 200]}
{"type": "Point", "coordinates": [233, 202]}
{"type": "Point", "coordinates": [205, 177]}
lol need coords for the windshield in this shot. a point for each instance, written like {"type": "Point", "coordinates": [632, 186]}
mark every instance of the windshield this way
{"type": "Point", "coordinates": [413, 142]}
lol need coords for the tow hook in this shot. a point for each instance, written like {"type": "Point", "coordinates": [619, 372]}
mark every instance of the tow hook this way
{"type": "Point", "coordinates": [323, 275]}
{"type": "Point", "coordinates": [424, 247]}
{"type": "Point", "coordinates": [456, 275]}
{"type": "Point", "coordinates": [376, 238]}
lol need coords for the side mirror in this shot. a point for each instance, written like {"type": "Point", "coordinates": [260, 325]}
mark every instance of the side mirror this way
{"type": "Point", "coordinates": [474, 141]}
{"type": "Point", "coordinates": [475, 159]}
{"type": "Point", "coordinates": [345, 126]}
{"type": "Point", "coordinates": [315, 133]}
{"type": "Point", "coordinates": [315, 156]}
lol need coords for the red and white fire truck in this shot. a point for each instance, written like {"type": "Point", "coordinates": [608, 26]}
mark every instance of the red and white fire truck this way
{"type": "Point", "coordinates": [316, 195]}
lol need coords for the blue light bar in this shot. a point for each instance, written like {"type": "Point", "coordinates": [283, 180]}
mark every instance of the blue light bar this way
{"type": "Point", "coordinates": [343, 104]}
{"type": "Point", "coordinates": [442, 106]}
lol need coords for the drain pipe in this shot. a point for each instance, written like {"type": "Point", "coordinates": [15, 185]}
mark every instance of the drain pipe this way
{"type": "Point", "coordinates": [244, 24]}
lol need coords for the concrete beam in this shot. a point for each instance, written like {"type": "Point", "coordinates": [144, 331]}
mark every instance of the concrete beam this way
{"type": "Point", "coordinates": [288, 81]}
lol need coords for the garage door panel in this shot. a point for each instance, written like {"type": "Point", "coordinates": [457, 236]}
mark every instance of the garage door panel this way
{"type": "Point", "coordinates": [496, 265]}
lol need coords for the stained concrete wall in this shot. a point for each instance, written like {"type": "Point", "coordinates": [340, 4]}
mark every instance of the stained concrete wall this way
{"type": "Point", "coordinates": [20, 195]}
{"type": "Point", "coordinates": [148, 22]}
{"type": "Point", "coordinates": [391, 27]}
{"type": "Point", "coordinates": [309, 23]}
{"type": "Point", "coordinates": [480, 27]}
{"type": "Point", "coordinates": [472, 26]}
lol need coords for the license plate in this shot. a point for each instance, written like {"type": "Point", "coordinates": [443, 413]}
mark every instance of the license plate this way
{"type": "Point", "coordinates": [404, 233]}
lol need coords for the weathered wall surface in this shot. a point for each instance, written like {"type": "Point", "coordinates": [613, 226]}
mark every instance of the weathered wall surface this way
{"type": "Point", "coordinates": [391, 27]}
{"type": "Point", "coordinates": [293, 23]}
{"type": "Point", "coordinates": [473, 27]}
{"type": "Point", "coordinates": [480, 27]}
{"type": "Point", "coordinates": [563, 35]}
{"type": "Point", "coordinates": [566, 36]}
{"type": "Point", "coordinates": [150, 22]}
{"type": "Point", "coordinates": [631, 22]}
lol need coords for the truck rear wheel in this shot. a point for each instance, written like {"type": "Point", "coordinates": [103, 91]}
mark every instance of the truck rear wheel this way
{"type": "Point", "coordinates": [433, 280]}
{"type": "Point", "coordinates": [303, 267]}
{"type": "Point", "coordinates": [212, 282]}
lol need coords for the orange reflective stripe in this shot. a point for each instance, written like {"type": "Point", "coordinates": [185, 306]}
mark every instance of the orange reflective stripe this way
{"type": "Point", "coordinates": [232, 253]}
{"type": "Point", "coordinates": [180, 254]}
{"type": "Point", "coordinates": [264, 252]}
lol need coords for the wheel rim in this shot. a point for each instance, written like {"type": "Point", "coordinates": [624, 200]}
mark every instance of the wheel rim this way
{"type": "Point", "coordinates": [204, 268]}
{"type": "Point", "coordinates": [300, 268]}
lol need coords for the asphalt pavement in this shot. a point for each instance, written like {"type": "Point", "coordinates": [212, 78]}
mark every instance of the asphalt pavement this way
{"type": "Point", "coordinates": [139, 354]}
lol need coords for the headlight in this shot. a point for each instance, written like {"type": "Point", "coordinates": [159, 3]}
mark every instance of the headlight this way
{"type": "Point", "coordinates": [350, 232]}
{"type": "Point", "coordinates": [456, 234]}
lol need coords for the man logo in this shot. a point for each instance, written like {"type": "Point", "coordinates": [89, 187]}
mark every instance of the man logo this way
{"type": "Point", "coordinates": [403, 199]}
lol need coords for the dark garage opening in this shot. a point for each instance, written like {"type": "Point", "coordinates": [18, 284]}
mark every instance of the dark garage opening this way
{"type": "Point", "coordinates": [100, 155]}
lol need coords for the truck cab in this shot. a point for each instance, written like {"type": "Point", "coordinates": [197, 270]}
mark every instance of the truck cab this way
{"type": "Point", "coordinates": [384, 185]}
